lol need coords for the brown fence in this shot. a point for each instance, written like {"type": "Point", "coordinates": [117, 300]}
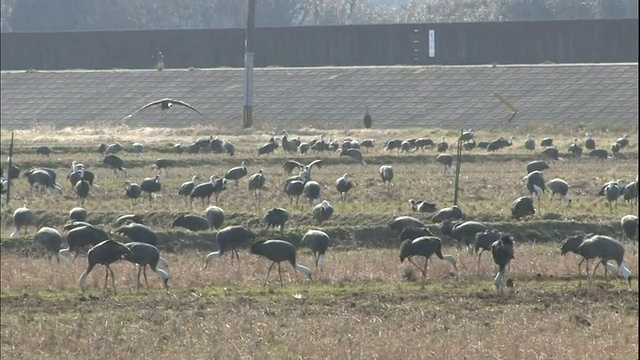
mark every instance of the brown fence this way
{"type": "Point", "coordinates": [530, 42]}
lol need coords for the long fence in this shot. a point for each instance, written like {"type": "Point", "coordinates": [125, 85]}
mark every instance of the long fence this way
{"type": "Point", "coordinates": [530, 42]}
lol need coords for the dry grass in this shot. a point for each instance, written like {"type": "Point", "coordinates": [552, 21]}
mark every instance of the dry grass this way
{"type": "Point", "coordinates": [358, 308]}
{"type": "Point", "coordinates": [361, 306]}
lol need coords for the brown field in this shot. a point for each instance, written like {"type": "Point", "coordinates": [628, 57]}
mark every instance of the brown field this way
{"type": "Point", "coordinates": [366, 304]}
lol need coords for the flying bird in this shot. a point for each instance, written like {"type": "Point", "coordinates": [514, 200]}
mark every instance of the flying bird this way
{"type": "Point", "coordinates": [165, 104]}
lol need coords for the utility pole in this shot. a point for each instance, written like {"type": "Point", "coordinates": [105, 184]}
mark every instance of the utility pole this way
{"type": "Point", "coordinates": [247, 117]}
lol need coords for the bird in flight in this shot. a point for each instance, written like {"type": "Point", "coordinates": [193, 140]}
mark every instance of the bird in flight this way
{"type": "Point", "coordinates": [165, 104]}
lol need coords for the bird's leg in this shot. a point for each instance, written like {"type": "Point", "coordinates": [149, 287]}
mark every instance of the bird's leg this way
{"type": "Point", "coordinates": [268, 271]}
{"type": "Point", "coordinates": [138, 284]}
{"type": "Point", "coordinates": [144, 272]}
{"type": "Point", "coordinates": [113, 280]}
{"type": "Point", "coordinates": [106, 278]}
{"type": "Point", "coordinates": [479, 255]}
{"type": "Point", "coordinates": [418, 267]}
{"type": "Point", "coordinates": [280, 275]}
{"type": "Point", "coordinates": [237, 256]}
{"type": "Point", "coordinates": [424, 272]}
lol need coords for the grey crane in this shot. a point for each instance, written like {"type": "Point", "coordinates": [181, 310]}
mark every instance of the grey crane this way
{"type": "Point", "coordinates": [599, 153]}
{"type": "Point", "coordinates": [78, 214]}
{"type": "Point", "coordinates": [484, 240]}
{"type": "Point", "coordinates": [193, 148]}
{"type": "Point", "coordinates": [623, 141]}
{"type": "Point", "coordinates": [256, 183]}
{"type": "Point", "coordinates": [322, 211]}
{"type": "Point", "coordinates": [80, 236]}
{"type": "Point", "coordinates": [575, 148]}
{"type": "Point", "coordinates": [424, 143]}
{"type": "Point", "coordinates": [502, 253]}
{"type": "Point", "coordinates": [386, 174]}
{"type": "Point", "coordinates": [401, 222]}
{"type": "Point", "coordinates": [114, 148]}
{"type": "Point", "coordinates": [413, 232]}
{"type": "Point", "coordinates": [469, 145]}
{"type": "Point", "coordinates": [229, 148]}
{"type": "Point", "coordinates": [178, 148]}
{"type": "Point", "coordinates": [237, 172]}
{"type": "Point", "coordinates": [405, 147]}
{"type": "Point", "coordinates": [115, 163]}
{"type": "Point", "coordinates": [42, 178]}
{"type": "Point", "coordinates": [215, 185]}
{"type": "Point", "coordinates": [191, 222]}
{"type": "Point", "coordinates": [22, 218]}
{"type": "Point", "coordinates": [551, 153]}
{"type": "Point", "coordinates": [126, 218]}
{"type": "Point", "coordinates": [393, 144]}
{"type": "Point", "coordinates": [522, 207]}
{"type": "Point", "coordinates": [343, 185]}
{"type": "Point", "coordinates": [102, 148]}
{"type": "Point", "coordinates": [139, 233]}
{"type": "Point", "coordinates": [137, 148]}
{"type": "Point", "coordinates": [318, 241]}
{"type": "Point", "coordinates": [466, 135]}
{"type": "Point", "coordinates": [144, 255]}
{"type": "Point", "coordinates": [186, 188]}
{"type": "Point", "coordinates": [43, 150]}
{"type": "Point", "coordinates": [82, 188]}
{"type": "Point", "coordinates": [612, 191]}
{"type": "Point", "coordinates": [367, 144]}
{"type": "Point", "coordinates": [629, 224]}
{"type": "Point", "coordinates": [534, 182]}
{"type": "Point", "coordinates": [73, 224]}
{"type": "Point", "coordinates": [312, 191]}
{"type": "Point", "coordinates": [589, 143]}
{"type": "Point", "coordinates": [228, 239]}
{"type": "Point", "coordinates": [449, 213]}
{"type": "Point", "coordinates": [215, 216]}
{"type": "Point", "coordinates": [615, 149]}
{"type": "Point", "coordinates": [560, 187]}
{"type": "Point", "coordinates": [529, 143]}
{"type": "Point", "coordinates": [162, 164]}
{"type": "Point", "coordinates": [597, 246]}
{"type": "Point", "coordinates": [424, 246]}
{"type": "Point", "coordinates": [289, 145]}
{"type": "Point", "coordinates": [268, 147]}
{"type": "Point", "coordinates": [499, 144]}
{"type": "Point", "coordinates": [165, 104]}
{"type": "Point", "coordinates": [537, 165]}
{"type": "Point", "coordinates": [289, 165]}
{"type": "Point", "coordinates": [294, 188]}
{"type": "Point", "coordinates": [463, 233]}
{"type": "Point", "coordinates": [276, 217]}
{"type": "Point", "coordinates": [278, 251]}
{"type": "Point", "coordinates": [355, 154]}
{"type": "Point", "coordinates": [76, 175]}
{"type": "Point", "coordinates": [51, 239]}
{"type": "Point", "coordinates": [151, 185]}
{"type": "Point", "coordinates": [304, 148]}
{"type": "Point", "coordinates": [104, 253]}
{"type": "Point", "coordinates": [215, 145]}
{"type": "Point", "coordinates": [545, 142]}
{"type": "Point", "coordinates": [446, 160]}
{"type": "Point", "coordinates": [367, 119]}
{"type": "Point", "coordinates": [422, 206]}
{"type": "Point", "coordinates": [630, 192]}
{"type": "Point", "coordinates": [132, 191]}
{"type": "Point", "coordinates": [442, 146]}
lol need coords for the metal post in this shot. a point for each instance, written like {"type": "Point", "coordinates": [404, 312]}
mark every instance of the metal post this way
{"type": "Point", "coordinates": [458, 163]}
{"type": "Point", "coordinates": [9, 170]}
{"type": "Point", "coordinates": [247, 117]}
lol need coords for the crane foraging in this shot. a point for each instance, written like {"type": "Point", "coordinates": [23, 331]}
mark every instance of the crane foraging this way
{"type": "Point", "coordinates": [278, 251]}
{"type": "Point", "coordinates": [215, 216]}
{"type": "Point", "coordinates": [629, 224]}
{"type": "Point", "coordinates": [116, 163]}
{"type": "Point", "coordinates": [386, 174]}
{"type": "Point", "coordinates": [484, 240]}
{"type": "Point", "coordinates": [343, 185]}
{"type": "Point", "coordinates": [424, 246]}
{"type": "Point", "coordinates": [502, 252]}
{"type": "Point", "coordinates": [104, 253]}
{"type": "Point", "coordinates": [228, 239]}
{"type": "Point", "coordinates": [237, 172]}
{"type": "Point", "coordinates": [186, 188]}
{"type": "Point", "coordinates": [560, 187]}
{"type": "Point", "coordinates": [318, 241]}
{"type": "Point", "coordinates": [522, 207]}
{"type": "Point", "coordinates": [143, 255]}
{"type": "Point", "coordinates": [276, 217]}
{"type": "Point", "coordinates": [51, 239]}
{"type": "Point", "coordinates": [597, 246]}
{"type": "Point", "coordinates": [322, 211]}
{"type": "Point", "coordinates": [22, 218]}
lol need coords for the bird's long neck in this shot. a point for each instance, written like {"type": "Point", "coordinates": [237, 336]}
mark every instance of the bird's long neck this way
{"type": "Point", "coordinates": [303, 269]}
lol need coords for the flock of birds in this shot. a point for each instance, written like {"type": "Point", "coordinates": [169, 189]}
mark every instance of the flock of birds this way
{"type": "Point", "coordinates": [415, 237]}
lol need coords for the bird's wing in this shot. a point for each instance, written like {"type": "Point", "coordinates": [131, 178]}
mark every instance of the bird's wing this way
{"type": "Point", "coordinates": [318, 163]}
{"type": "Point", "coordinates": [291, 164]}
{"type": "Point", "coordinates": [185, 104]}
{"type": "Point", "coordinates": [156, 102]}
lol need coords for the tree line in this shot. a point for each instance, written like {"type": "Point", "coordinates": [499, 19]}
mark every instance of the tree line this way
{"type": "Point", "coordinates": [76, 15]}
